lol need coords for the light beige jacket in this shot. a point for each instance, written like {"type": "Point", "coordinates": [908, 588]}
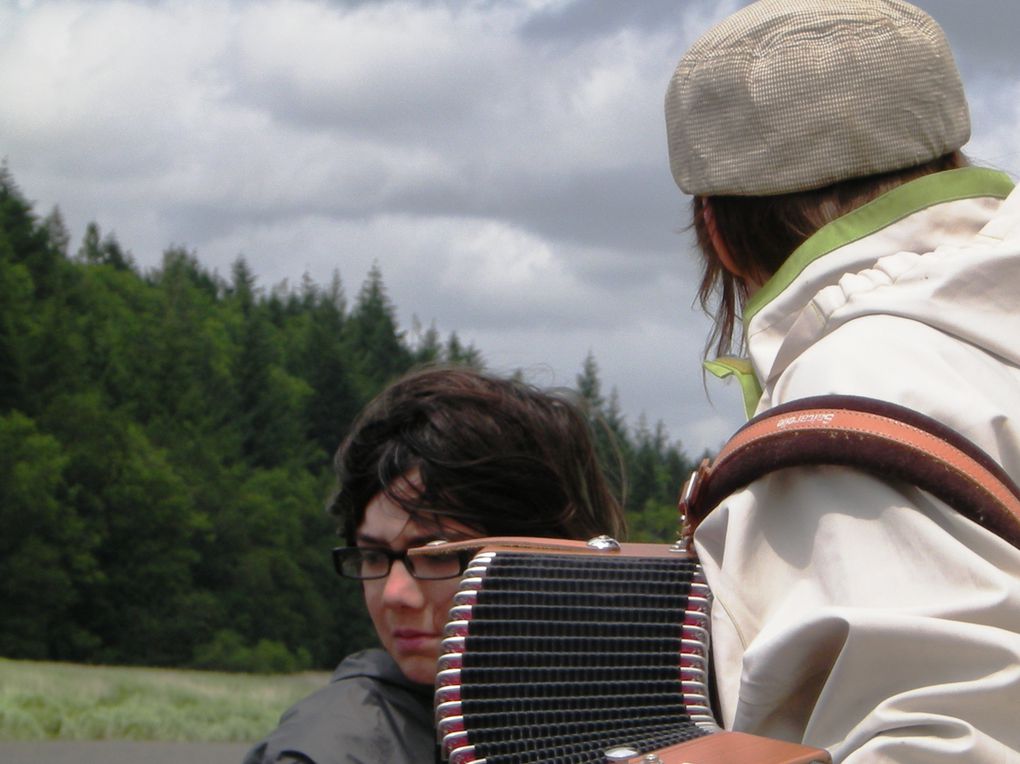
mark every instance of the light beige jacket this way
{"type": "Point", "coordinates": [850, 613]}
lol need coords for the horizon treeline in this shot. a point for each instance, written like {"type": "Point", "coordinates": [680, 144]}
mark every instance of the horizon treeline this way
{"type": "Point", "coordinates": [165, 452]}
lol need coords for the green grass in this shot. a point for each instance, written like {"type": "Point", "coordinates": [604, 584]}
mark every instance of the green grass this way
{"type": "Point", "coordinates": [62, 701]}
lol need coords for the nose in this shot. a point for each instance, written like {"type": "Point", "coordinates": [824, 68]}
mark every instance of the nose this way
{"type": "Point", "coordinates": [402, 589]}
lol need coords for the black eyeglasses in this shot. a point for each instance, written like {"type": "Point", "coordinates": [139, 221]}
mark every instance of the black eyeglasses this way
{"type": "Point", "coordinates": [368, 562]}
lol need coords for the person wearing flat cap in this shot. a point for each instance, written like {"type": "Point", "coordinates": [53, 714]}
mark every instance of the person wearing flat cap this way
{"type": "Point", "coordinates": [849, 247]}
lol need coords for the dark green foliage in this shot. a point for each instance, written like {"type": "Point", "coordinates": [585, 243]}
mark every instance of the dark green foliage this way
{"type": "Point", "coordinates": [28, 242]}
{"type": "Point", "coordinates": [165, 452]}
{"type": "Point", "coordinates": [376, 348]}
{"type": "Point", "coordinates": [95, 250]}
{"type": "Point", "coordinates": [42, 547]}
{"type": "Point", "coordinates": [270, 402]}
{"type": "Point", "coordinates": [226, 651]}
{"type": "Point", "coordinates": [15, 322]}
{"type": "Point", "coordinates": [643, 467]}
{"type": "Point", "coordinates": [322, 361]}
{"type": "Point", "coordinates": [139, 523]}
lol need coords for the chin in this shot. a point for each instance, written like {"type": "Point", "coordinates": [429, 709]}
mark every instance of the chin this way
{"type": "Point", "coordinates": [418, 669]}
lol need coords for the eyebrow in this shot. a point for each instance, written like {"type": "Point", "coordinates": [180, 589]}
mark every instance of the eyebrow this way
{"type": "Point", "coordinates": [369, 540]}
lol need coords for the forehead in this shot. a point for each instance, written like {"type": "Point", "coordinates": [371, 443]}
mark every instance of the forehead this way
{"type": "Point", "coordinates": [387, 522]}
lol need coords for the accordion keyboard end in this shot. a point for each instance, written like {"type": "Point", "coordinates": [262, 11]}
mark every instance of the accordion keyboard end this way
{"type": "Point", "coordinates": [563, 656]}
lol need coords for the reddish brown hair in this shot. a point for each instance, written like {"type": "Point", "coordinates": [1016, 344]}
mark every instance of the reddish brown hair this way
{"type": "Point", "coordinates": [760, 232]}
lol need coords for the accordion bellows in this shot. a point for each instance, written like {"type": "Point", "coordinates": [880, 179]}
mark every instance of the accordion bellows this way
{"type": "Point", "coordinates": [565, 657]}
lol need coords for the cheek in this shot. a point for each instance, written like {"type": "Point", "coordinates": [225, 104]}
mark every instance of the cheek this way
{"type": "Point", "coordinates": [441, 599]}
{"type": "Point", "coordinates": [373, 592]}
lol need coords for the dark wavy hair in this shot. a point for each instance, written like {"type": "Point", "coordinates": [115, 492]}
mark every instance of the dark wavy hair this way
{"type": "Point", "coordinates": [498, 455]}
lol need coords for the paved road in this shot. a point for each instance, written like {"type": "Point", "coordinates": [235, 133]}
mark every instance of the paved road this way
{"type": "Point", "coordinates": [121, 752]}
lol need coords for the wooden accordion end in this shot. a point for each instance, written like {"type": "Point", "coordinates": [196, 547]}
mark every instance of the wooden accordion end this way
{"type": "Point", "coordinates": [566, 653]}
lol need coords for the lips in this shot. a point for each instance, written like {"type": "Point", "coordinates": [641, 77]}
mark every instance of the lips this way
{"type": "Point", "coordinates": [413, 640]}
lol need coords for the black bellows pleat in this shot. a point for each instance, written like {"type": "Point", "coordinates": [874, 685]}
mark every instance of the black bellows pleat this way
{"type": "Point", "coordinates": [567, 655]}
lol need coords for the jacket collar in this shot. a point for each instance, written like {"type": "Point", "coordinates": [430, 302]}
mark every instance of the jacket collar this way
{"type": "Point", "coordinates": [887, 224]}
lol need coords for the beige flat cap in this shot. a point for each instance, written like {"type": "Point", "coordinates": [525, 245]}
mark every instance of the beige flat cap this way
{"type": "Point", "coordinates": [790, 95]}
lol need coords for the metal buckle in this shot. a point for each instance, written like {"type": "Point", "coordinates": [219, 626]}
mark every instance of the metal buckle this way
{"type": "Point", "coordinates": [688, 498]}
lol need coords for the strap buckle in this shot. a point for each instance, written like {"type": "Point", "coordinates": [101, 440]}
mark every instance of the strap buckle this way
{"type": "Point", "coordinates": [686, 503]}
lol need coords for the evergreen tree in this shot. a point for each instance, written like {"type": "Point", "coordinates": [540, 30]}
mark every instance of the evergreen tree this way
{"type": "Point", "coordinates": [136, 509]}
{"type": "Point", "coordinates": [589, 386]}
{"type": "Point", "coordinates": [427, 347]}
{"type": "Point", "coordinates": [164, 444]}
{"type": "Point", "coordinates": [334, 400]}
{"type": "Point", "coordinates": [91, 244]}
{"type": "Point", "coordinates": [15, 328]}
{"type": "Point", "coordinates": [643, 468]}
{"type": "Point", "coordinates": [57, 233]}
{"type": "Point", "coordinates": [98, 250]}
{"type": "Point", "coordinates": [270, 401]}
{"type": "Point", "coordinates": [41, 339]}
{"type": "Point", "coordinates": [372, 339]}
{"type": "Point", "coordinates": [189, 404]}
{"type": "Point", "coordinates": [43, 552]}
{"type": "Point", "coordinates": [29, 243]}
{"type": "Point", "coordinates": [458, 354]}
{"type": "Point", "coordinates": [608, 427]}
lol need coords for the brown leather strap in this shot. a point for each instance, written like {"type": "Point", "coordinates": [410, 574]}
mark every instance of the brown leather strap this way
{"type": "Point", "coordinates": [539, 544]}
{"type": "Point", "coordinates": [889, 441]}
{"type": "Point", "coordinates": [736, 748]}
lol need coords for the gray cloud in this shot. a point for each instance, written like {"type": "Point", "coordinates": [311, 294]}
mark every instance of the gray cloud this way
{"type": "Point", "coordinates": [982, 35]}
{"type": "Point", "coordinates": [503, 162]}
{"type": "Point", "coordinates": [564, 23]}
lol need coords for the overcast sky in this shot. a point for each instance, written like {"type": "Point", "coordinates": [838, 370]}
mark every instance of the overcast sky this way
{"type": "Point", "coordinates": [502, 161]}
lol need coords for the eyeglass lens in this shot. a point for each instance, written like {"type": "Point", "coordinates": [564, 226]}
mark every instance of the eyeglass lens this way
{"type": "Point", "coordinates": [368, 563]}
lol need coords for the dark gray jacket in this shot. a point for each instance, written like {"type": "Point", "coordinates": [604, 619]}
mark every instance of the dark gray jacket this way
{"type": "Point", "coordinates": [369, 713]}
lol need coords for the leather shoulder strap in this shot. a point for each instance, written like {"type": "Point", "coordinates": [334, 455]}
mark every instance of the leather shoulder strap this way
{"type": "Point", "coordinates": [736, 748]}
{"type": "Point", "coordinates": [889, 441]}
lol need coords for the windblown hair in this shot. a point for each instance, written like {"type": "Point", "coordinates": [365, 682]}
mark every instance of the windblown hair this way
{"type": "Point", "coordinates": [760, 232]}
{"type": "Point", "coordinates": [500, 456]}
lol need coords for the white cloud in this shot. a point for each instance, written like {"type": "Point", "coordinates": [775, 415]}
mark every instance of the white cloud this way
{"type": "Point", "coordinates": [106, 89]}
{"type": "Point", "coordinates": [512, 184]}
{"type": "Point", "coordinates": [388, 67]}
{"type": "Point", "coordinates": [995, 116]}
{"type": "Point", "coordinates": [494, 265]}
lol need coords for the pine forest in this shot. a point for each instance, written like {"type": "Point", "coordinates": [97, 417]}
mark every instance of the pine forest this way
{"type": "Point", "coordinates": [166, 440]}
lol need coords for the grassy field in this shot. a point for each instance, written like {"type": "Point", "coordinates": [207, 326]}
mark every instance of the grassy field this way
{"type": "Point", "coordinates": [59, 701]}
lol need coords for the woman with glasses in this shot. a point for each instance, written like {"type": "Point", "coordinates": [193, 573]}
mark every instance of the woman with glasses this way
{"type": "Point", "coordinates": [442, 454]}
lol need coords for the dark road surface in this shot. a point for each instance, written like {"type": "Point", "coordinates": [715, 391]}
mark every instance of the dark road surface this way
{"type": "Point", "coordinates": [121, 752]}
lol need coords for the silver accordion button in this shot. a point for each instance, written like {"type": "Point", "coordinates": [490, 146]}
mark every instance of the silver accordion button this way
{"type": "Point", "coordinates": [604, 544]}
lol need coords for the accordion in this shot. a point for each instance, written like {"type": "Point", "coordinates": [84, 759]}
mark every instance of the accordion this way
{"type": "Point", "coordinates": [584, 653]}
{"type": "Point", "coordinates": [578, 653]}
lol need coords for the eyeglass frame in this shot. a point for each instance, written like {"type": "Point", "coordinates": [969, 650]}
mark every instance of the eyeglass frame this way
{"type": "Point", "coordinates": [340, 553]}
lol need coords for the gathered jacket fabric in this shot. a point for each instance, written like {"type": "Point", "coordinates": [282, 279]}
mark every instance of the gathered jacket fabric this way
{"type": "Point", "coordinates": [856, 614]}
{"type": "Point", "coordinates": [369, 713]}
